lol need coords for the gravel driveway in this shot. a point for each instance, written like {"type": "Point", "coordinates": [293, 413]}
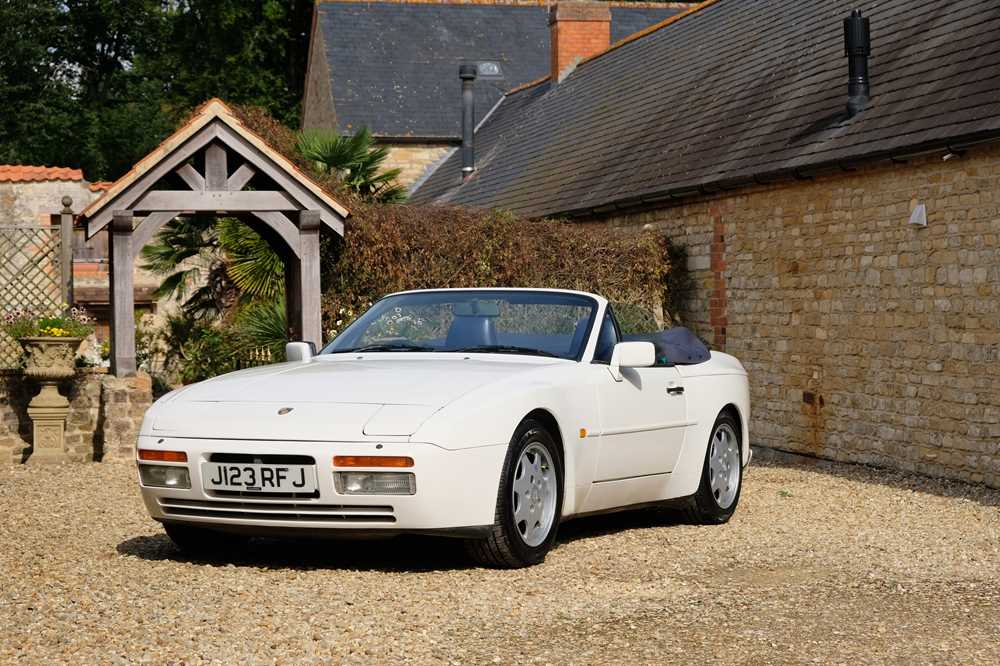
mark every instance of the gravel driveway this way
{"type": "Point", "coordinates": [821, 564]}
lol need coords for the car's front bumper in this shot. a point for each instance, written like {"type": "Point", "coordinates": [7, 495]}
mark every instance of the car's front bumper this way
{"type": "Point", "coordinates": [456, 491]}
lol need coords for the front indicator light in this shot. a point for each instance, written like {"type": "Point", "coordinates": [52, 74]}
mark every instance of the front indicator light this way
{"type": "Point", "coordinates": [162, 456]}
{"type": "Point", "coordinates": [162, 476]}
{"type": "Point", "coordinates": [372, 461]}
{"type": "Point", "coordinates": [375, 483]}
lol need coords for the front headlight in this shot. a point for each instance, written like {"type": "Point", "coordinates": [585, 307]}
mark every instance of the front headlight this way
{"type": "Point", "coordinates": [163, 476]}
{"type": "Point", "coordinates": [375, 483]}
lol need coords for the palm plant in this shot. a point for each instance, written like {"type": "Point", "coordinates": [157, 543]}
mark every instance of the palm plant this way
{"type": "Point", "coordinates": [254, 267]}
{"type": "Point", "coordinates": [263, 324]}
{"type": "Point", "coordinates": [184, 251]}
{"type": "Point", "coordinates": [203, 265]}
{"type": "Point", "coordinates": [357, 160]}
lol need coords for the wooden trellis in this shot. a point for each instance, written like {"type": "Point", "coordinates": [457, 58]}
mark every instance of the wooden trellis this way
{"type": "Point", "coordinates": [36, 272]}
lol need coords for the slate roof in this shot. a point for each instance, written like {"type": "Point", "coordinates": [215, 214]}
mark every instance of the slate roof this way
{"type": "Point", "coordinates": [20, 173]}
{"type": "Point", "coordinates": [732, 92]}
{"type": "Point", "coordinates": [394, 65]}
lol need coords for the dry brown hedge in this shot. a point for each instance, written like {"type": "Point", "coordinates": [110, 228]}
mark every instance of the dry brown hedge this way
{"type": "Point", "coordinates": [395, 248]}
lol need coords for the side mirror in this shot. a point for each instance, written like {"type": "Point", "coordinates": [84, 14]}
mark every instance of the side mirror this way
{"type": "Point", "coordinates": [631, 355]}
{"type": "Point", "coordinates": [299, 351]}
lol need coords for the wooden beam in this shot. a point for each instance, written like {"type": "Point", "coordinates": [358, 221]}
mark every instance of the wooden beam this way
{"type": "Point", "coordinates": [191, 176]}
{"type": "Point", "coordinates": [281, 225]}
{"type": "Point", "coordinates": [305, 198]}
{"type": "Point", "coordinates": [216, 169]}
{"type": "Point", "coordinates": [241, 177]}
{"type": "Point", "coordinates": [148, 226]}
{"type": "Point", "coordinates": [122, 306]}
{"type": "Point", "coordinates": [182, 153]}
{"type": "Point", "coordinates": [214, 201]}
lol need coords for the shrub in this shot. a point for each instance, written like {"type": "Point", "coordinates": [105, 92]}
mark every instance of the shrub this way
{"type": "Point", "coordinates": [196, 349]}
{"type": "Point", "coordinates": [395, 248]}
{"type": "Point", "coordinates": [262, 325]}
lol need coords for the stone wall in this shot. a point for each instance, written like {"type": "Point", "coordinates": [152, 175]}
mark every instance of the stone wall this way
{"type": "Point", "coordinates": [105, 413]}
{"type": "Point", "coordinates": [415, 159]}
{"type": "Point", "coordinates": [32, 202]}
{"type": "Point", "coordinates": [867, 339]}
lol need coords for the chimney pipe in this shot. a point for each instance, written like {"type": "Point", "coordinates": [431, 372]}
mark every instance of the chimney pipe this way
{"type": "Point", "coordinates": [857, 48]}
{"type": "Point", "coordinates": [468, 75]}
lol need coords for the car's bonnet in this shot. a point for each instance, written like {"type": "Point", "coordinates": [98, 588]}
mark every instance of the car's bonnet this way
{"type": "Point", "coordinates": [329, 399]}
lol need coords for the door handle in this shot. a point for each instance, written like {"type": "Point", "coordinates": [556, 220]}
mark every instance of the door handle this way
{"type": "Point", "coordinates": [675, 390]}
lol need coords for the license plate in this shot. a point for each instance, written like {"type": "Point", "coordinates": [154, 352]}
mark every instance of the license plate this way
{"type": "Point", "coordinates": [254, 477]}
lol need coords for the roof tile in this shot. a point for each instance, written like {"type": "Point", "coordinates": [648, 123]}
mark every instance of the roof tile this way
{"type": "Point", "coordinates": [21, 173]}
{"type": "Point", "coordinates": [394, 65]}
{"type": "Point", "coordinates": [733, 92]}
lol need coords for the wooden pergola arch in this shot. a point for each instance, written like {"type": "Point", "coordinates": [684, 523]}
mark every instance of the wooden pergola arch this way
{"type": "Point", "coordinates": [282, 204]}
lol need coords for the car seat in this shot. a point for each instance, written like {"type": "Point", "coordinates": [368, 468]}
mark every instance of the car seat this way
{"type": "Point", "coordinates": [471, 331]}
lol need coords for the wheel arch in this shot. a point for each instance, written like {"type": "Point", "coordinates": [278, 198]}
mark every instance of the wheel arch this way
{"type": "Point", "coordinates": [733, 410]}
{"type": "Point", "coordinates": [551, 423]}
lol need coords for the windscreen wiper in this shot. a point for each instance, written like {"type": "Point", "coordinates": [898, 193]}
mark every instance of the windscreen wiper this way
{"type": "Point", "coordinates": [505, 349]}
{"type": "Point", "coordinates": [388, 347]}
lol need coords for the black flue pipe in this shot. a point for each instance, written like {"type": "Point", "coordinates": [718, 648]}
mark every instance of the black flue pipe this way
{"type": "Point", "coordinates": [468, 75]}
{"type": "Point", "coordinates": [857, 47]}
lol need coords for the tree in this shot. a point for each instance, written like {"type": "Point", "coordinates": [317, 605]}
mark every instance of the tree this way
{"type": "Point", "coordinates": [34, 83]}
{"type": "Point", "coordinates": [97, 84]}
{"type": "Point", "coordinates": [249, 52]}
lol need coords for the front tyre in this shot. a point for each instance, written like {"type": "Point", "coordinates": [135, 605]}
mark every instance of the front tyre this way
{"type": "Point", "coordinates": [529, 502]}
{"type": "Point", "coordinates": [721, 476]}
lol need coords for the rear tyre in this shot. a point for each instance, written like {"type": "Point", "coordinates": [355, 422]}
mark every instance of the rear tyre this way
{"type": "Point", "coordinates": [721, 475]}
{"type": "Point", "coordinates": [529, 502]}
{"type": "Point", "coordinates": [202, 542]}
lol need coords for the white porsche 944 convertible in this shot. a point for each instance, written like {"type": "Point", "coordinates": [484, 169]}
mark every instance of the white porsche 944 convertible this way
{"type": "Point", "coordinates": [486, 414]}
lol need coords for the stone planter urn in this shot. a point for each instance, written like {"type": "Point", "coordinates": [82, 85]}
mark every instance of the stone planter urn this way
{"type": "Point", "coordinates": [50, 360]}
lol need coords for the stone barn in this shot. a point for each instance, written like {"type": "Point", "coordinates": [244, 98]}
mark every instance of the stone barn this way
{"type": "Point", "coordinates": [837, 187]}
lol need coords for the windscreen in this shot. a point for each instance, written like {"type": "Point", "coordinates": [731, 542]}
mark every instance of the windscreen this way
{"type": "Point", "coordinates": [520, 322]}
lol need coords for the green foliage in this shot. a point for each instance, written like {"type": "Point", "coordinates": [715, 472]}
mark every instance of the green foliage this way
{"type": "Point", "coordinates": [192, 349]}
{"type": "Point", "coordinates": [357, 162]}
{"type": "Point", "coordinates": [98, 83]}
{"type": "Point", "coordinates": [207, 263]}
{"type": "Point", "coordinates": [253, 266]}
{"type": "Point", "coordinates": [263, 325]}
{"type": "Point", "coordinates": [196, 349]}
{"type": "Point", "coordinates": [182, 252]}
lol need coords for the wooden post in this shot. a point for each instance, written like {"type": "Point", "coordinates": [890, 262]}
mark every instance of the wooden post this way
{"type": "Point", "coordinates": [66, 250]}
{"type": "Point", "coordinates": [302, 284]}
{"type": "Point", "coordinates": [293, 295]}
{"type": "Point", "coordinates": [312, 319]}
{"type": "Point", "coordinates": [122, 306]}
